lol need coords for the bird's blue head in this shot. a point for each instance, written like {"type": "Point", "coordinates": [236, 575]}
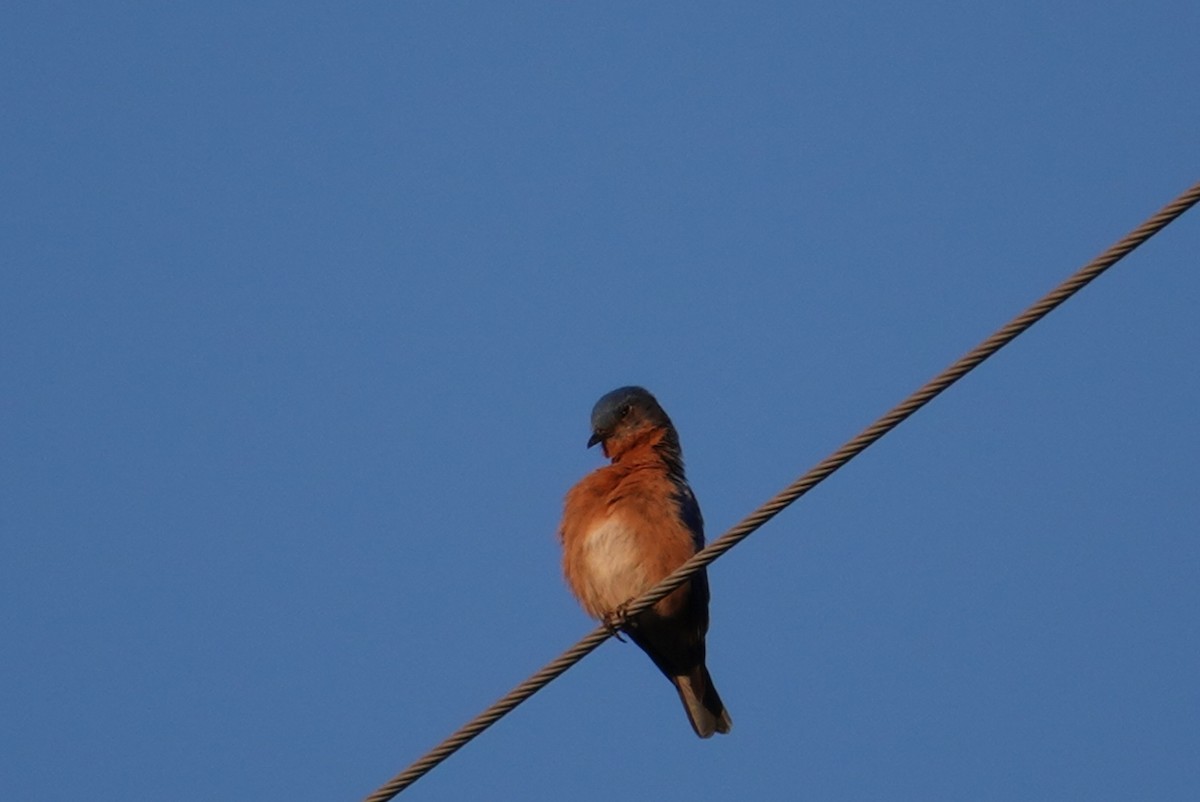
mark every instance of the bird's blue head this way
{"type": "Point", "coordinates": [624, 411]}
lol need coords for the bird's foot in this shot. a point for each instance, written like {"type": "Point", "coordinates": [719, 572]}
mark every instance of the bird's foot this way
{"type": "Point", "coordinates": [614, 621]}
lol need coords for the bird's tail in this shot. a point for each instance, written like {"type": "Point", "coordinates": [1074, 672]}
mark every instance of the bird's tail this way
{"type": "Point", "coordinates": [703, 704]}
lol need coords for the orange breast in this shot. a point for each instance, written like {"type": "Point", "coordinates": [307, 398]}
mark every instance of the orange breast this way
{"type": "Point", "coordinates": [621, 534]}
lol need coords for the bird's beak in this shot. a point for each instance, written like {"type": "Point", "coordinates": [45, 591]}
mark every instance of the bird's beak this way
{"type": "Point", "coordinates": [595, 438]}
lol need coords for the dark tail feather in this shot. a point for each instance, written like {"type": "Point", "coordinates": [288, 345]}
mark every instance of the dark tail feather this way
{"type": "Point", "coordinates": [704, 707]}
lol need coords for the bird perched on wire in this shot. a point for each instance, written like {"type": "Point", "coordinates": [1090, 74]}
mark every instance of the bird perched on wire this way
{"type": "Point", "coordinates": [628, 525]}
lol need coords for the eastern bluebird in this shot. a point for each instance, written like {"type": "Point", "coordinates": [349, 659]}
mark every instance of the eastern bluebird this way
{"type": "Point", "coordinates": [628, 525]}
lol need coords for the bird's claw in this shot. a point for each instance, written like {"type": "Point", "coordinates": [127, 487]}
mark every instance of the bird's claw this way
{"type": "Point", "coordinates": [614, 621]}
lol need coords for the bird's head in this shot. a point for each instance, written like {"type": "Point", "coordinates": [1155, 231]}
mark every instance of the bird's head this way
{"type": "Point", "coordinates": [628, 417]}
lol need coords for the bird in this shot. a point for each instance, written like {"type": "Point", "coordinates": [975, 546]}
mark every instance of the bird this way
{"type": "Point", "coordinates": [629, 524]}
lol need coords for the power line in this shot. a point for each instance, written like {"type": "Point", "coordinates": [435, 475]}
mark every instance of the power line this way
{"type": "Point", "coordinates": [818, 473]}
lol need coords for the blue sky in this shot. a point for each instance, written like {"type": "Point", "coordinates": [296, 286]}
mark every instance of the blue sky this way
{"type": "Point", "coordinates": [305, 308]}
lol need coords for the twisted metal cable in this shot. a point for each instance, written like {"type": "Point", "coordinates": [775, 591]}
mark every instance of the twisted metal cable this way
{"type": "Point", "coordinates": [818, 473]}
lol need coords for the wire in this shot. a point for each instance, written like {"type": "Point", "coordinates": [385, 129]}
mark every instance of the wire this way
{"type": "Point", "coordinates": [818, 473]}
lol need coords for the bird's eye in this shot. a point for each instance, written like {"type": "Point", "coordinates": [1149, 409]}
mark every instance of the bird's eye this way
{"type": "Point", "coordinates": [625, 410]}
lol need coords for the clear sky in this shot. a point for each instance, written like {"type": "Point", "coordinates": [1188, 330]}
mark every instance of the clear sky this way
{"type": "Point", "coordinates": [305, 307]}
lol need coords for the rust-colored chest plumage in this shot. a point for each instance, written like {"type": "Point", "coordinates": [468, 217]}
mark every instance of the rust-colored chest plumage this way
{"type": "Point", "coordinates": [622, 533]}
